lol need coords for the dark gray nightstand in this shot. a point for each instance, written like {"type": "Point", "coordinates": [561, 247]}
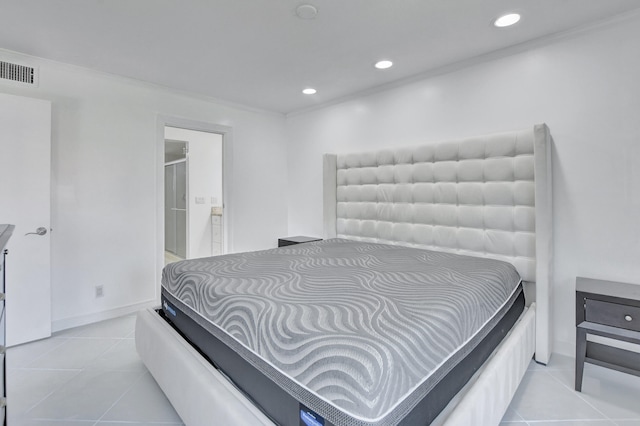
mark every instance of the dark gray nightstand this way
{"type": "Point", "coordinates": [609, 309]}
{"type": "Point", "coordinates": [289, 241]}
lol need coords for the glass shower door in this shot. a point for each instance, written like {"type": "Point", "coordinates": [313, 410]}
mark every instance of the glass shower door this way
{"type": "Point", "coordinates": [181, 208]}
{"type": "Point", "coordinates": [175, 211]}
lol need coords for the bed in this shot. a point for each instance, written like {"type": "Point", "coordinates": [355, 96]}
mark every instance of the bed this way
{"type": "Point", "coordinates": [473, 211]}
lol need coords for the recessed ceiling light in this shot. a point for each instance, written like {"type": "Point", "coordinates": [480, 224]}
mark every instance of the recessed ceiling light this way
{"type": "Point", "coordinates": [506, 20]}
{"type": "Point", "coordinates": [383, 65]}
{"type": "Point", "coordinates": [309, 91]}
{"type": "Point", "coordinates": [306, 11]}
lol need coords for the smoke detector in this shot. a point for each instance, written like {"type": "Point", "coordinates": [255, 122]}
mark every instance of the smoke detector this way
{"type": "Point", "coordinates": [306, 11]}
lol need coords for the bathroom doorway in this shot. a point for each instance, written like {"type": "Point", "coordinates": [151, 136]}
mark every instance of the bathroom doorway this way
{"type": "Point", "coordinates": [193, 193]}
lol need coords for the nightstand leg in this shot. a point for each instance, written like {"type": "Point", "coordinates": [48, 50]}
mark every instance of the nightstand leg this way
{"type": "Point", "coordinates": [581, 353]}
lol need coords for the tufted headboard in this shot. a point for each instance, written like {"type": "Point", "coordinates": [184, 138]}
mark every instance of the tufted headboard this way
{"type": "Point", "coordinates": [487, 196]}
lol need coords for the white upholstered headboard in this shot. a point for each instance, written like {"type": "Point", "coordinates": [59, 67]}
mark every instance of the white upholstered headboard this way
{"type": "Point", "coordinates": [487, 196]}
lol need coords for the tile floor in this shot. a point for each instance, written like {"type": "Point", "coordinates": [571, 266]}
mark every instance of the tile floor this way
{"type": "Point", "coordinates": [170, 258]}
{"type": "Point", "coordinates": [92, 375]}
{"type": "Point", "coordinates": [85, 376]}
{"type": "Point", "coordinates": [547, 397]}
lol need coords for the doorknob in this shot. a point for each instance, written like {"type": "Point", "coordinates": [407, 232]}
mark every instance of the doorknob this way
{"type": "Point", "coordinates": [39, 231]}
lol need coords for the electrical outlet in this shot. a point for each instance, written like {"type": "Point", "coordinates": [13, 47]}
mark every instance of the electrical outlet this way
{"type": "Point", "coordinates": [99, 291]}
{"type": "Point", "coordinates": [199, 200]}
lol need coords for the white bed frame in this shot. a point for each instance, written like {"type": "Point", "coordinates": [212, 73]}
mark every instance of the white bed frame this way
{"type": "Point", "coordinates": [424, 196]}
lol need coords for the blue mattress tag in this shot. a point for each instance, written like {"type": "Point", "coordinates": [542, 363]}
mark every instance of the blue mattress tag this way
{"type": "Point", "coordinates": [169, 308]}
{"type": "Point", "coordinates": [309, 418]}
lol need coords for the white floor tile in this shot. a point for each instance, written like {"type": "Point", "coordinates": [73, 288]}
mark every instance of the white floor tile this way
{"type": "Point", "coordinates": [144, 402]}
{"type": "Point", "coordinates": [121, 357]}
{"type": "Point", "coordinates": [114, 328]}
{"type": "Point", "coordinates": [88, 396]}
{"type": "Point", "coordinates": [615, 394]}
{"type": "Point", "coordinates": [512, 416]}
{"type": "Point", "coordinates": [23, 355]}
{"type": "Point", "coordinates": [26, 388]}
{"type": "Point", "coordinates": [541, 397]}
{"type": "Point", "coordinates": [74, 353]}
{"type": "Point", "coordinates": [170, 258]}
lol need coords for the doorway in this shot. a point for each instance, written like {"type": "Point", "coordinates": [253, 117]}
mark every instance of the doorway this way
{"type": "Point", "coordinates": [193, 193]}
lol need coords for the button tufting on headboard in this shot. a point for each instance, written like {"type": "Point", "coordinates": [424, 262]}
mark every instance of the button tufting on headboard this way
{"type": "Point", "coordinates": [472, 196]}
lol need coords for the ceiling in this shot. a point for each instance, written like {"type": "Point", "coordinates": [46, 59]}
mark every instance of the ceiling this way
{"type": "Point", "coordinates": [258, 53]}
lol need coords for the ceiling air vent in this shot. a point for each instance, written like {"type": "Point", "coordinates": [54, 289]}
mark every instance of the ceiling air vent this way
{"type": "Point", "coordinates": [17, 73]}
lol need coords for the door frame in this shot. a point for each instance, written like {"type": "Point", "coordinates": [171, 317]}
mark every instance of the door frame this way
{"type": "Point", "coordinates": [227, 174]}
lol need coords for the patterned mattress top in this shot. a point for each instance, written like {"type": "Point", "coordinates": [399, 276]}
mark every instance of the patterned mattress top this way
{"type": "Point", "coordinates": [366, 330]}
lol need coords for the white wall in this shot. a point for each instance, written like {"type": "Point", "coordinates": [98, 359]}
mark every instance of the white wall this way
{"type": "Point", "coordinates": [104, 161]}
{"type": "Point", "coordinates": [583, 85]}
{"type": "Point", "coordinates": [205, 181]}
{"type": "Point", "coordinates": [104, 185]}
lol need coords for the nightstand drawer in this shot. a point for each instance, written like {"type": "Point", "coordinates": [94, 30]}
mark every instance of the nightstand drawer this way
{"type": "Point", "coordinates": [613, 314]}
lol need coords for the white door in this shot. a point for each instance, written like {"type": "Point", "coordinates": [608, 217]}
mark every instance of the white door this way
{"type": "Point", "coordinates": [25, 201]}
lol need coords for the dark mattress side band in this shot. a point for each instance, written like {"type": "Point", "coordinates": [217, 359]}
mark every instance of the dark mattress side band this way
{"type": "Point", "coordinates": [283, 409]}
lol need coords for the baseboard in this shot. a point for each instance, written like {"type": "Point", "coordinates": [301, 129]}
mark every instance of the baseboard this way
{"type": "Point", "coordinates": [565, 348]}
{"type": "Point", "coordinates": [66, 323]}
